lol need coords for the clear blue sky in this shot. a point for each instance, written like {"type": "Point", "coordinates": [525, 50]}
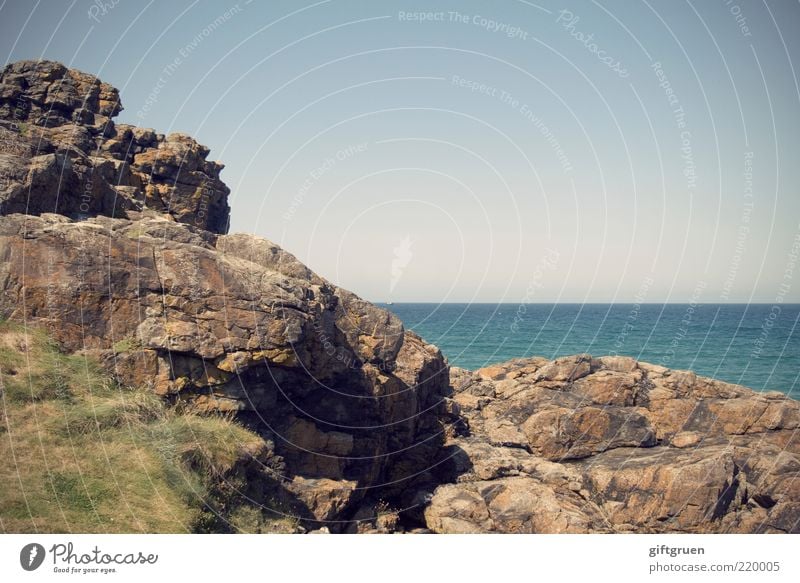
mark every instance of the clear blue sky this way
{"type": "Point", "coordinates": [488, 152]}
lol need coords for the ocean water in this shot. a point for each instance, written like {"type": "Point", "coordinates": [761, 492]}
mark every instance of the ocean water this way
{"type": "Point", "coordinates": [756, 345]}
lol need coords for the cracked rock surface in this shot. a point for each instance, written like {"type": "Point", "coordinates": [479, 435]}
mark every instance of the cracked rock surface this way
{"type": "Point", "coordinates": [114, 240]}
{"type": "Point", "coordinates": [582, 444]}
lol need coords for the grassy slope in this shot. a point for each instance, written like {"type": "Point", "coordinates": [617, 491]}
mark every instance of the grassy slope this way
{"type": "Point", "coordinates": [82, 454]}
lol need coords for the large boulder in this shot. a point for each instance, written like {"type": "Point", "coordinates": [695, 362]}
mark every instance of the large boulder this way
{"type": "Point", "coordinates": [113, 238]}
{"type": "Point", "coordinates": [232, 323]}
{"type": "Point", "coordinates": [60, 152]}
{"type": "Point", "coordinates": [583, 444]}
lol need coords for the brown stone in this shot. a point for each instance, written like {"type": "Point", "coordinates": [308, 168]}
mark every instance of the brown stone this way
{"type": "Point", "coordinates": [573, 447]}
{"type": "Point", "coordinates": [61, 152]}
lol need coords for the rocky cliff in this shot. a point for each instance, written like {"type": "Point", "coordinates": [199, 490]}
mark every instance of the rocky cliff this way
{"type": "Point", "coordinates": [114, 239]}
{"type": "Point", "coordinates": [60, 152]}
{"type": "Point", "coordinates": [122, 254]}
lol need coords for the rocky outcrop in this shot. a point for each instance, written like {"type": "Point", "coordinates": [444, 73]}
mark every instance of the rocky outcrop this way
{"type": "Point", "coordinates": [583, 444]}
{"type": "Point", "coordinates": [48, 94]}
{"type": "Point", "coordinates": [114, 239]}
{"type": "Point", "coordinates": [231, 323]}
{"type": "Point", "coordinates": [60, 152]}
{"type": "Point", "coordinates": [134, 266]}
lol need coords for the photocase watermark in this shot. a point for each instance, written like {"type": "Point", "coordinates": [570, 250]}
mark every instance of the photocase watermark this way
{"type": "Point", "coordinates": [687, 154]}
{"type": "Point", "coordinates": [402, 255]}
{"type": "Point", "coordinates": [548, 135]}
{"type": "Point", "coordinates": [633, 313]}
{"type": "Point", "coordinates": [524, 110]}
{"type": "Point", "coordinates": [739, 17]}
{"type": "Point", "coordinates": [317, 173]}
{"type": "Point", "coordinates": [206, 193]}
{"type": "Point", "coordinates": [31, 556]}
{"type": "Point", "coordinates": [6, 179]}
{"type": "Point", "coordinates": [783, 289]}
{"type": "Point", "coordinates": [569, 21]}
{"type": "Point", "coordinates": [66, 559]}
{"type": "Point", "coordinates": [548, 262]}
{"type": "Point", "coordinates": [18, 114]}
{"type": "Point", "coordinates": [478, 20]}
{"type": "Point", "coordinates": [51, 289]}
{"type": "Point", "coordinates": [87, 196]}
{"type": "Point", "coordinates": [686, 321]}
{"type": "Point", "coordinates": [489, 24]}
{"type": "Point", "coordinates": [346, 357]}
{"type": "Point", "coordinates": [13, 147]}
{"type": "Point", "coordinates": [100, 8]}
{"type": "Point", "coordinates": [744, 228]}
{"type": "Point", "coordinates": [183, 54]}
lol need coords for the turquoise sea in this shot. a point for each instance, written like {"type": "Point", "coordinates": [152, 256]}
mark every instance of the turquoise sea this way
{"type": "Point", "coordinates": [756, 345]}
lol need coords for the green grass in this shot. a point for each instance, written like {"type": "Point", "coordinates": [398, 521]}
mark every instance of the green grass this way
{"type": "Point", "coordinates": [83, 454]}
{"type": "Point", "coordinates": [126, 345]}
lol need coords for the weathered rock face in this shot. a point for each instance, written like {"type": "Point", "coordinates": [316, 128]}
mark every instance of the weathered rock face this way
{"type": "Point", "coordinates": [234, 323]}
{"type": "Point", "coordinates": [60, 152]}
{"type": "Point", "coordinates": [121, 252]}
{"type": "Point", "coordinates": [584, 444]}
{"type": "Point", "coordinates": [47, 94]}
{"type": "Point", "coordinates": [113, 238]}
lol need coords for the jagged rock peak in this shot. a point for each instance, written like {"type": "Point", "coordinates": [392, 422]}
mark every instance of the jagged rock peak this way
{"type": "Point", "coordinates": [46, 93]}
{"type": "Point", "coordinates": [60, 152]}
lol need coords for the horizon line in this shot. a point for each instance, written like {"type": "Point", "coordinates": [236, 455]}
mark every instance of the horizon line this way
{"type": "Point", "coordinates": [593, 303]}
